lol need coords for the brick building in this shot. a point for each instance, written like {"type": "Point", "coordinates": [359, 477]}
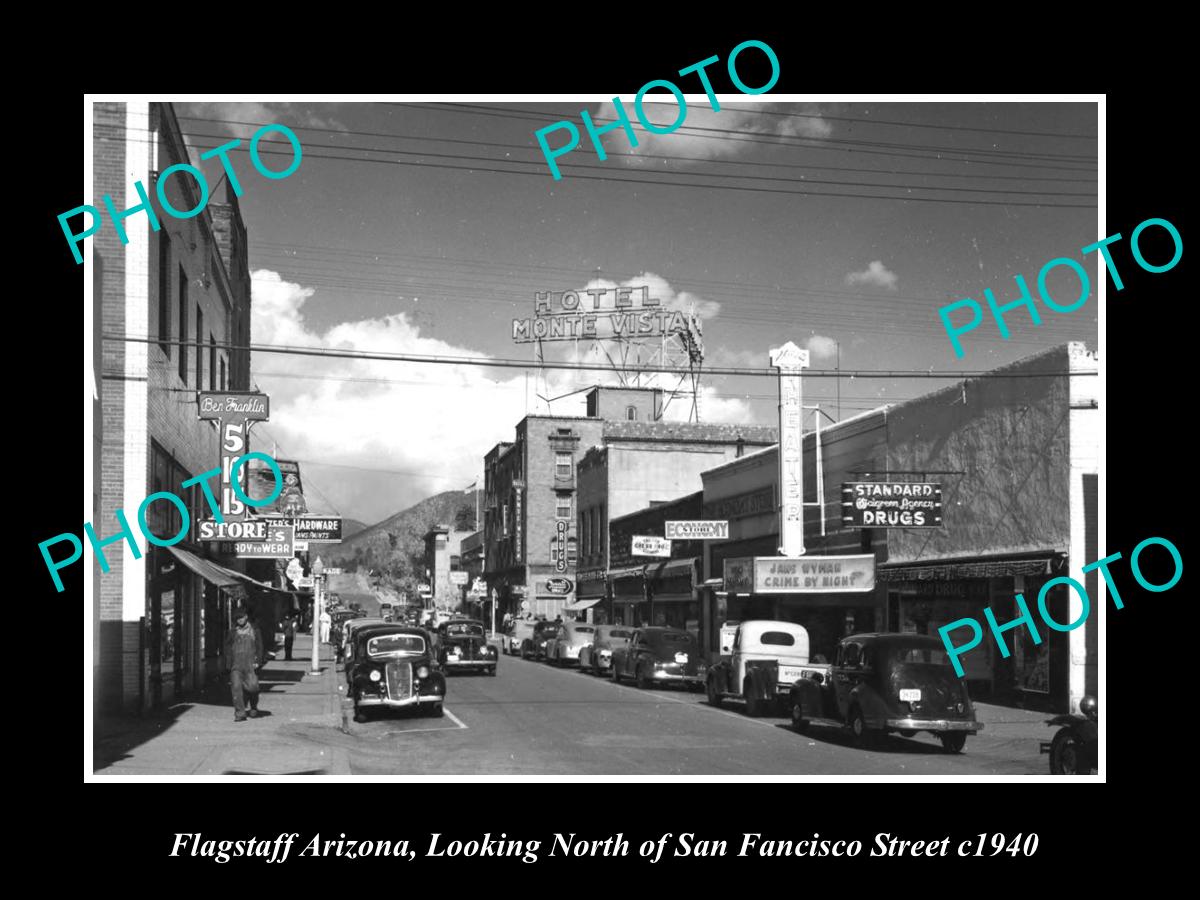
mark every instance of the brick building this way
{"type": "Point", "coordinates": [443, 555]}
{"type": "Point", "coordinates": [160, 617]}
{"type": "Point", "coordinates": [642, 462]}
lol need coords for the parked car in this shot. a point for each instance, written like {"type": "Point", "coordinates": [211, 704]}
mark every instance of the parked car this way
{"type": "Point", "coordinates": [564, 647]}
{"type": "Point", "coordinates": [661, 656]}
{"type": "Point", "coordinates": [1075, 748]}
{"type": "Point", "coordinates": [597, 655]}
{"type": "Point", "coordinates": [391, 667]}
{"type": "Point", "coordinates": [463, 646]}
{"type": "Point", "coordinates": [888, 682]}
{"type": "Point", "coordinates": [534, 647]}
{"type": "Point", "coordinates": [765, 659]}
{"type": "Point", "coordinates": [519, 631]}
{"type": "Point", "coordinates": [348, 629]}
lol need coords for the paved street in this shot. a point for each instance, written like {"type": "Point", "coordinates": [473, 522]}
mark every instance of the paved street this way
{"type": "Point", "coordinates": [532, 719]}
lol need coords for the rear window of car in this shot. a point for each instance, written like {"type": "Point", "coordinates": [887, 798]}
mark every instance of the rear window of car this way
{"type": "Point", "coordinates": [395, 643]}
{"type": "Point", "coordinates": [618, 633]}
{"type": "Point", "coordinates": [584, 629]}
{"type": "Point", "coordinates": [927, 655]}
{"type": "Point", "coordinates": [464, 629]}
{"type": "Point", "coordinates": [779, 638]}
{"type": "Point", "coordinates": [681, 637]}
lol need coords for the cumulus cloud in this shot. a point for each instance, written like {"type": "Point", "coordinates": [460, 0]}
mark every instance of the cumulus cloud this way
{"type": "Point", "coordinates": [704, 132]}
{"type": "Point", "coordinates": [821, 347]}
{"type": "Point", "coordinates": [875, 275]}
{"type": "Point", "coordinates": [393, 433]}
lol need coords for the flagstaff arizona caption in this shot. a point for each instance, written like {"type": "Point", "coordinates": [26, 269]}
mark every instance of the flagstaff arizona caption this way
{"type": "Point", "coordinates": [1027, 620]}
{"type": "Point", "coordinates": [278, 849]}
{"type": "Point", "coordinates": [1026, 299]}
{"type": "Point", "coordinates": [117, 218]}
{"type": "Point", "coordinates": [623, 122]}
{"type": "Point", "coordinates": [98, 544]}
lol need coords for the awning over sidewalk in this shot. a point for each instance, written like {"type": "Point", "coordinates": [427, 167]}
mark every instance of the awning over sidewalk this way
{"type": "Point", "coordinates": [205, 568]}
{"type": "Point", "coordinates": [219, 575]}
{"type": "Point", "coordinates": [581, 605]}
{"type": "Point", "coordinates": [952, 571]}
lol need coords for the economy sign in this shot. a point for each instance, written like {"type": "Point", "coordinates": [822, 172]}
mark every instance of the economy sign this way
{"type": "Point", "coordinates": [891, 504]}
{"type": "Point", "coordinates": [650, 545]}
{"type": "Point", "coordinates": [697, 531]}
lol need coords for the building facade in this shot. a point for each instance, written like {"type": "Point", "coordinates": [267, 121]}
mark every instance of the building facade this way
{"type": "Point", "coordinates": [160, 621]}
{"type": "Point", "coordinates": [443, 555]}
{"type": "Point", "coordinates": [1016, 455]}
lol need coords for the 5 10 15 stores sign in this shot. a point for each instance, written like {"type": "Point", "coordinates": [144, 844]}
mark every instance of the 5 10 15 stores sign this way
{"type": "Point", "coordinates": [233, 412]}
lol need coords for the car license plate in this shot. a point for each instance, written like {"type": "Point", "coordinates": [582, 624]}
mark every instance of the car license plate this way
{"type": "Point", "coordinates": [681, 658]}
{"type": "Point", "coordinates": [910, 694]}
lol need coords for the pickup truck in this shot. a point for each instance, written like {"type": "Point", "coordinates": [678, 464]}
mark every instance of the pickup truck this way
{"type": "Point", "coordinates": [888, 682]}
{"type": "Point", "coordinates": [765, 660]}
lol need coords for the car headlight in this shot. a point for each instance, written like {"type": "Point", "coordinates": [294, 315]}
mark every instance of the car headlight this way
{"type": "Point", "coordinates": [422, 671]}
{"type": "Point", "coordinates": [376, 675]}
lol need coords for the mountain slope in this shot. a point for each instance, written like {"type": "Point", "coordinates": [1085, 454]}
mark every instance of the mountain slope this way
{"type": "Point", "coordinates": [395, 546]}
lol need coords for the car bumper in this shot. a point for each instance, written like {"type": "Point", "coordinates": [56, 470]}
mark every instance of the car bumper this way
{"type": "Point", "coordinates": [452, 663]}
{"type": "Point", "coordinates": [934, 725]}
{"type": "Point", "coordinates": [411, 701]}
{"type": "Point", "coordinates": [660, 675]}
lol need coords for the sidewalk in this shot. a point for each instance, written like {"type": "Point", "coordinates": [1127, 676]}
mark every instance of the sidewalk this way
{"type": "Point", "coordinates": [200, 737]}
{"type": "Point", "coordinates": [1010, 723]}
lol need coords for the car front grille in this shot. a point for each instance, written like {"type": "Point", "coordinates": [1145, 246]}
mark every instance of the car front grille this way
{"type": "Point", "coordinates": [399, 680]}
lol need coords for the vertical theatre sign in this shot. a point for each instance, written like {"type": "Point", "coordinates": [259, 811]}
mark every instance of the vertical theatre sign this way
{"type": "Point", "coordinates": [790, 360]}
{"type": "Point", "coordinates": [233, 411]}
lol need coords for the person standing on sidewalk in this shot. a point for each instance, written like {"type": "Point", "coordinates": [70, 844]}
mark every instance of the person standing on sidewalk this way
{"type": "Point", "coordinates": [289, 635]}
{"type": "Point", "coordinates": [326, 623]}
{"type": "Point", "coordinates": [243, 657]}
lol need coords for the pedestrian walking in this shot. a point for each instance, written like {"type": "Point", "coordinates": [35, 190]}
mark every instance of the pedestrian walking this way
{"type": "Point", "coordinates": [289, 635]}
{"type": "Point", "coordinates": [243, 658]}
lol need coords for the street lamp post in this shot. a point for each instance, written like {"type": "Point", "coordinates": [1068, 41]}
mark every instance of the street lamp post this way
{"type": "Point", "coordinates": [317, 568]}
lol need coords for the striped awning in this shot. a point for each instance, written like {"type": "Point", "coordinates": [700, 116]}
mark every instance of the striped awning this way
{"type": "Point", "coordinates": [952, 571]}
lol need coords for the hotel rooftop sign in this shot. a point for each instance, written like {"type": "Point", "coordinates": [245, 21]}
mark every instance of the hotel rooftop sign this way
{"type": "Point", "coordinates": [603, 314]}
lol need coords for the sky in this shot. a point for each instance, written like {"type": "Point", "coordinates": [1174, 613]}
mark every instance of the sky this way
{"type": "Point", "coordinates": [426, 228]}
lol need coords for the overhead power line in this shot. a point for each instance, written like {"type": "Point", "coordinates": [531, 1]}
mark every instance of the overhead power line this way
{"type": "Point", "coordinates": [499, 363]}
{"type": "Point", "coordinates": [639, 156]}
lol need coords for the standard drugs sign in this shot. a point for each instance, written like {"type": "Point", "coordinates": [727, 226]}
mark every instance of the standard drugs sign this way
{"type": "Point", "coordinates": [697, 531]}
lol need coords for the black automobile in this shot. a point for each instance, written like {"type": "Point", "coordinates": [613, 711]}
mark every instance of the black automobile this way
{"type": "Point", "coordinates": [888, 682]}
{"type": "Point", "coordinates": [463, 646]}
{"type": "Point", "coordinates": [534, 647]}
{"type": "Point", "coordinates": [392, 667]}
{"type": "Point", "coordinates": [657, 655]}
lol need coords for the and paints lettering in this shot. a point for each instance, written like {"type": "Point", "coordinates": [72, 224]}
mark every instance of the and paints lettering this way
{"type": "Point", "coordinates": [145, 206]}
{"type": "Point", "coordinates": [1061, 304]}
{"type": "Point", "coordinates": [622, 121]}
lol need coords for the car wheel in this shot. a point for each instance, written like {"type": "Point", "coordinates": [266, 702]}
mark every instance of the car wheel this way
{"type": "Point", "coordinates": [714, 696]}
{"type": "Point", "coordinates": [360, 713]}
{"type": "Point", "coordinates": [643, 680]}
{"type": "Point", "coordinates": [863, 736]}
{"type": "Point", "coordinates": [754, 706]}
{"type": "Point", "coordinates": [799, 723]}
{"type": "Point", "coordinates": [436, 711]}
{"type": "Point", "coordinates": [612, 671]}
{"type": "Point", "coordinates": [1065, 752]}
{"type": "Point", "coordinates": [491, 671]}
{"type": "Point", "coordinates": [524, 651]}
{"type": "Point", "coordinates": [954, 741]}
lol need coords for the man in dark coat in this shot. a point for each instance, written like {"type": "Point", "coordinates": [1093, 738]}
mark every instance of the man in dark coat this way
{"type": "Point", "coordinates": [244, 655]}
{"type": "Point", "coordinates": [289, 635]}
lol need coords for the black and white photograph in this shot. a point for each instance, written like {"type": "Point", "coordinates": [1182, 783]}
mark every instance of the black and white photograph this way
{"type": "Point", "coordinates": [703, 431]}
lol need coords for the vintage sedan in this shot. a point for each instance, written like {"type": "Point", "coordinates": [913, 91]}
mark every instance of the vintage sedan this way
{"type": "Point", "coordinates": [661, 656]}
{"type": "Point", "coordinates": [534, 646]}
{"type": "Point", "coordinates": [564, 647]}
{"type": "Point", "coordinates": [391, 667]}
{"type": "Point", "coordinates": [597, 656]}
{"type": "Point", "coordinates": [519, 631]}
{"type": "Point", "coordinates": [463, 646]}
{"type": "Point", "coordinates": [888, 682]}
{"type": "Point", "coordinates": [348, 629]}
